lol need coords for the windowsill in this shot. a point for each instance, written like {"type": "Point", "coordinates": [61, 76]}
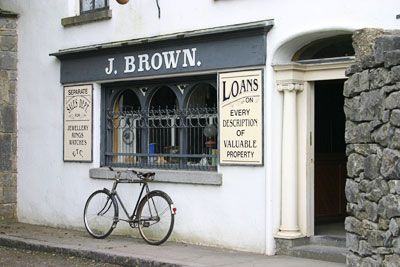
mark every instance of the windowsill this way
{"type": "Point", "coordinates": [87, 18]}
{"type": "Point", "coordinates": [167, 176]}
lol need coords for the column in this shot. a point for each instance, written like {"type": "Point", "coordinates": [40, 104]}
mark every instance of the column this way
{"type": "Point", "coordinates": [289, 228]}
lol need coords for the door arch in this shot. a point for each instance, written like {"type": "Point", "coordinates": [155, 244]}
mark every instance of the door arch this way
{"type": "Point", "coordinates": [301, 66]}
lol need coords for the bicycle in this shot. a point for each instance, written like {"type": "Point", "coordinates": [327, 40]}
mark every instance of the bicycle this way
{"type": "Point", "coordinates": [153, 214]}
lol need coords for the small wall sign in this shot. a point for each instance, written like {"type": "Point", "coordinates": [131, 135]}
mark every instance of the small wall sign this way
{"type": "Point", "coordinates": [241, 118]}
{"type": "Point", "coordinates": [78, 123]}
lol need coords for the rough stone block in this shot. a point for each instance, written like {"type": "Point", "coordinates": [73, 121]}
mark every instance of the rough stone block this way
{"type": "Point", "coordinates": [389, 206]}
{"type": "Point", "coordinates": [391, 88]}
{"type": "Point", "coordinates": [353, 225]}
{"type": "Point", "coordinates": [371, 105]}
{"type": "Point", "coordinates": [394, 187]}
{"type": "Point", "coordinates": [385, 43]}
{"type": "Point", "coordinates": [353, 260]}
{"type": "Point", "coordinates": [365, 248]}
{"type": "Point", "coordinates": [394, 226]}
{"type": "Point", "coordinates": [369, 62]}
{"type": "Point", "coordinates": [352, 191]}
{"type": "Point", "coordinates": [3, 22]}
{"type": "Point", "coordinates": [8, 179]}
{"type": "Point", "coordinates": [392, 261]}
{"type": "Point", "coordinates": [7, 118]}
{"type": "Point", "coordinates": [8, 60]}
{"type": "Point", "coordinates": [393, 101]}
{"type": "Point", "coordinates": [364, 149]}
{"type": "Point", "coordinates": [371, 262]}
{"type": "Point", "coordinates": [383, 224]}
{"type": "Point", "coordinates": [379, 78]}
{"type": "Point", "coordinates": [352, 86]}
{"type": "Point", "coordinates": [372, 210]}
{"type": "Point", "coordinates": [394, 74]}
{"type": "Point", "coordinates": [353, 69]}
{"type": "Point", "coordinates": [392, 58]}
{"type": "Point", "coordinates": [355, 165]}
{"type": "Point", "coordinates": [383, 134]}
{"type": "Point", "coordinates": [395, 117]}
{"type": "Point", "coordinates": [376, 189]}
{"type": "Point", "coordinates": [5, 152]}
{"type": "Point", "coordinates": [11, 24]}
{"type": "Point", "coordinates": [8, 43]}
{"type": "Point", "coordinates": [376, 238]}
{"type": "Point", "coordinates": [10, 194]}
{"type": "Point", "coordinates": [390, 168]}
{"type": "Point", "coordinates": [357, 133]}
{"type": "Point", "coordinates": [396, 245]}
{"type": "Point", "coordinates": [8, 211]}
{"type": "Point", "coordinates": [371, 166]}
{"type": "Point", "coordinates": [352, 242]}
{"type": "Point", "coordinates": [366, 224]}
{"type": "Point", "coordinates": [356, 210]}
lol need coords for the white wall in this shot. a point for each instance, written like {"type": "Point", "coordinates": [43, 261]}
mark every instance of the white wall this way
{"type": "Point", "coordinates": [244, 212]}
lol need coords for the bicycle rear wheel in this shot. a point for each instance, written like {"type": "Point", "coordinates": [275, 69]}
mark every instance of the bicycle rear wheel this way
{"type": "Point", "coordinates": [100, 213]}
{"type": "Point", "coordinates": [156, 217]}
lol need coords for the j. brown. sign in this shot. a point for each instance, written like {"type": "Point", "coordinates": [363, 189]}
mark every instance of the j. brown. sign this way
{"type": "Point", "coordinates": [78, 123]}
{"type": "Point", "coordinates": [241, 118]}
{"type": "Point", "coordinates": [232, 49]}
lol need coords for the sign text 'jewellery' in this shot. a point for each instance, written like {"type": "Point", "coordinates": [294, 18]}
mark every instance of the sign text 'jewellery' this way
{"type": "Point", "coordinates": [78, 123]}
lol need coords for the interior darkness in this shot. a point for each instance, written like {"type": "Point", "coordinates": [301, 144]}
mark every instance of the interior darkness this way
{"type": "Point", "coordinates": [329, 117]}
{"type": "Point", "coordinates": [330, 158]}
{"type": "Point", "coordinates": [164, 98]}
{"type": "Point", "coordinates": [129, 101]}
{"type": "Point", "coordinates": [204, 95]}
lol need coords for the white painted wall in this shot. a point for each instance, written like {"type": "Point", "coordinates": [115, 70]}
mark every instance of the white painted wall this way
{"type": "Point", "coordinates": [244, 212]}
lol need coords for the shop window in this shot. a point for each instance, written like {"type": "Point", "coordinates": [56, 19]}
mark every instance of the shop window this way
{"type": "Point", "coordinates": [169, 125]}
{"type": "Point", "coordinates": [93, 5]}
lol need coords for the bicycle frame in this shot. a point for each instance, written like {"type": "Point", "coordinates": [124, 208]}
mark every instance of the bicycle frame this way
{"type": "Point", "coordinates": [131, 218]}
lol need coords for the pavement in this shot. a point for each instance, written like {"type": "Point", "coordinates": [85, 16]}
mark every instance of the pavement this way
{"type": "Point", "coordinates": [127, 251]}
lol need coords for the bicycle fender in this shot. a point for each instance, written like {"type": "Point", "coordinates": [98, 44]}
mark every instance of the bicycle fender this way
{"type": "Point", "coordinates": [116, 205]}
{"type": "Point", "coordinates": [171, 205]}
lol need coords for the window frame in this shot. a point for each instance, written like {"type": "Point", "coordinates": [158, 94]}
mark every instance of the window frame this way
{"type": "Point", "coordinates": [93, 8]}
{"type": "Point", "coordinates": [110, 93]}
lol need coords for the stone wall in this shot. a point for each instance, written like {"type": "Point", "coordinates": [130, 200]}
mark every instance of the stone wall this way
{"type": "Point", "coordinates": [372, 108]}
{"type": "Point", "coordinates": [8, 124]}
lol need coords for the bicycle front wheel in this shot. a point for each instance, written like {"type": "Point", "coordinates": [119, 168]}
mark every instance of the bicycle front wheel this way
{"type": "Point", "coordinates": [100, 213]}
{"type": "Point", "coordinates": [156, 217]}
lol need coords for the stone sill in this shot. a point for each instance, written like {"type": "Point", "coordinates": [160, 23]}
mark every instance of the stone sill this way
{"type": "Point", "coordinates": [167, 176]}
{"type": "Point", "coordinates": [86, 18]}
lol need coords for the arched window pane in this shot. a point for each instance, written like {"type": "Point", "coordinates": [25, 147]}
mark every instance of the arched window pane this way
{"type": "Point", "coordinates": [127, 133]}
{"type": "Point", "coordinates": [337, 46]}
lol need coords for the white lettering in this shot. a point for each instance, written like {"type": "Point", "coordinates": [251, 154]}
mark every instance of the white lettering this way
{"type": "Point", "coordinates": [109, 69]}
{"type": "Point", "coordinates": [129, 64]}
{"type": "Point", "coordinates": [153, 61]}
{"type": "Point", "coordinates": [144, 59]}
{"type": "Point", "coordinates": [191, 57]}
{"type": "Point", "coordinates": [172, 60]}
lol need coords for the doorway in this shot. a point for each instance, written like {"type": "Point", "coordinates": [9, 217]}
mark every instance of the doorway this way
{"type": "Point", "coordinates": [330, 158]}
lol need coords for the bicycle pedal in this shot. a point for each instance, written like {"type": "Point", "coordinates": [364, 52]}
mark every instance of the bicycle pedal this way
{"type": "Point", "coordinates": [146, 224]}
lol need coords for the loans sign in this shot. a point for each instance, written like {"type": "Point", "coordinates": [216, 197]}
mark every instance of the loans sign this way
{"type": "Point", "coordinates": [78, 123]}
{"type": "Point", "coordinates": [241, 118]}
